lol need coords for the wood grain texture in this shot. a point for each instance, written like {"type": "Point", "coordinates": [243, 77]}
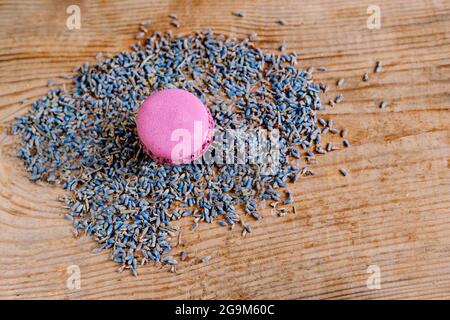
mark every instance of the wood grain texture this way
{"type": "Point", "coordinates": [393, 210]}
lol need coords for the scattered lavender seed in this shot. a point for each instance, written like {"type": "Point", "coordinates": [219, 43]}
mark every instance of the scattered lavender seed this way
{"type": "Point", "coordinates": [338, 98]}
{"type": "Point", "coordinates": [319, 150]}
{"type": "Point", "coordinates": [322, 69]}
{"type": "Point", "coordinates": [170, 260]}
{"type": "Point", "coordinates": [281, 22]}
{"type": "Point", "coordinates": [344, 132]}
{"type": "Point", "coordinates": [173, 16]}
{"type": "Point", "coordinates": [329, 147]}
{"type": "Point", "coordinates": [378, 67]}
{"type": "Point", "coordinates": [140, 36]}
{"type": "Point", "coordinates": [323, 122]}
{"type": "Point", "coordinates": [365, 77]}
{"type": "Point", "coordinates": [252, 36]}
{"type": "Point", "coordinates": [383, 104]}
{"type": "Point", "coordinates": [96, 250]}
{"type": "Point", "coordinates": [281, 212]}
{"type": "Point", "coordinates": [238, 14]}
{"type": "Point", "coordinates": [324, 87]}
{"type": "Point", "coordinates": [346, 143]}
{"type": "Point", "coordinates": [179, 242]}
{"type": "Point", "coordinates": [175, 23]}
{"type": "Point", "coordinates": [340, 82]}
{"type": "Point", "coordinates": [222, 223]}
{"type": "Point", "coordinates": [334, 148]}
{"type": "Point", "coordinates": [334, 131]}
{"type": "Point", "coordinates": [206, 259]}
{"type": "Point", "coordinates": [343, 172]}
{"type": "Point", "coordinates": [183, 255]}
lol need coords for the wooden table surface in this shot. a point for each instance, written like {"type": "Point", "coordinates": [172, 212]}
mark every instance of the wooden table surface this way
{"type": "Point", "coordinates": [392, 211]}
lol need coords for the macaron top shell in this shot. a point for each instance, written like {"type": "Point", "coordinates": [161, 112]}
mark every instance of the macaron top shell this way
{"type": "Point", "coordinates": [174, 126]}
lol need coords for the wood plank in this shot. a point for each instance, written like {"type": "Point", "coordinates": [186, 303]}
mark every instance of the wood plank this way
{"type": "Point", "coordinates": [393, 210]}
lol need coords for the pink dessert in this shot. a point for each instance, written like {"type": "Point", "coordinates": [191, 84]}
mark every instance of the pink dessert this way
{"type": "Point", "coordinates": [174, 126]}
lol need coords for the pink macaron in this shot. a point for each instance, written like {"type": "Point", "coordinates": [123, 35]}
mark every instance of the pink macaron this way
{"type": "Point", "coordinates": [174, 126]}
